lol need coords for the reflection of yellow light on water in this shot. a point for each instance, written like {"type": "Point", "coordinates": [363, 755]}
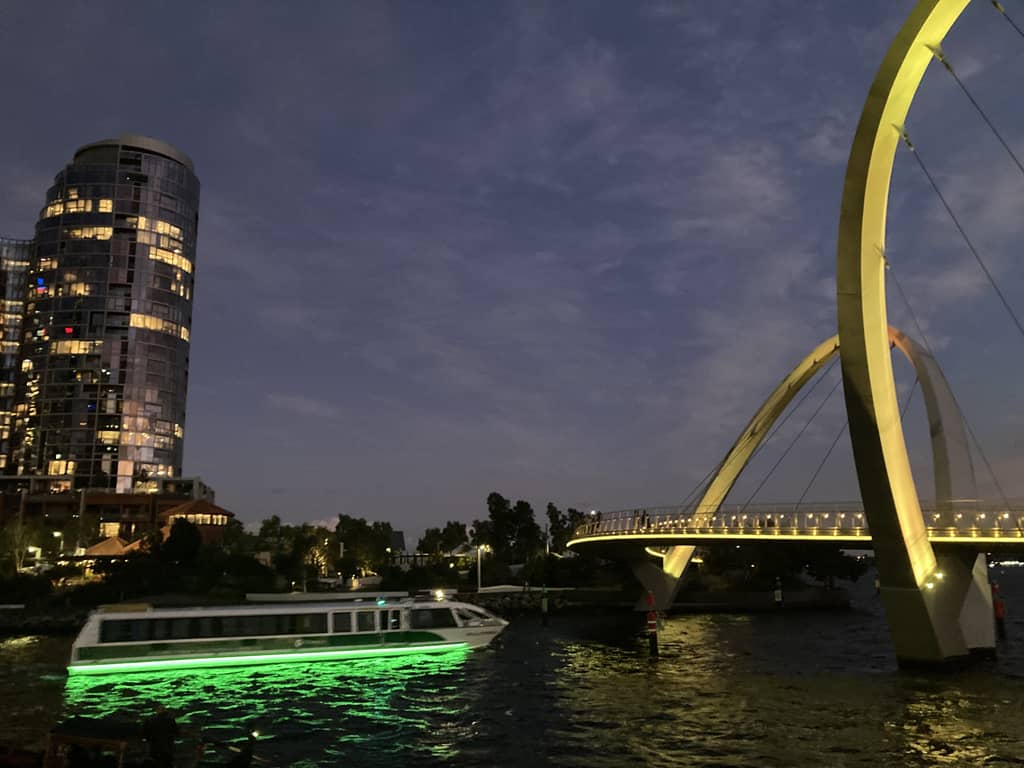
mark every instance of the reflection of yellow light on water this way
{"type": "Point", "coordinates": [18, 642]}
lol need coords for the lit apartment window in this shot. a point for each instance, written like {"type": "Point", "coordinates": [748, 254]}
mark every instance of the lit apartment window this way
{"type": "Point", "coordinates": [169, 257]}
{"type": "Point", "coordinates": [75, 347]}
{"type": "Point", "coordinates": [159, 324]}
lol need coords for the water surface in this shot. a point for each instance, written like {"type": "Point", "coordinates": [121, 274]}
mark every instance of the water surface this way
{"type": "Point", "coordinates": [785, 689]}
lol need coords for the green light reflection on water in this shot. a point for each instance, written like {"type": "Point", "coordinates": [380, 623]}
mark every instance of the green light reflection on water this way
{"type": "Point", "coordinates": [335, 705]}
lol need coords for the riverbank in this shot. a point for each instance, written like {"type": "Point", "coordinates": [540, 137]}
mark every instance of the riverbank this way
{"type": "Point", "coordinates": [21, 622]}
{"type": "Point", "coordinates": [520, 601]}
{"type": "Point", "coordinates": [516, 601]}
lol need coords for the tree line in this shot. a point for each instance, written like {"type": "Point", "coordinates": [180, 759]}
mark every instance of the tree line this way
{"type": "Point", "coordinates": [510, 531]}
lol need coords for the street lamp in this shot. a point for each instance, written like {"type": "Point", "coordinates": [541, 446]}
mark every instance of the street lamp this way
{"type": "Point", "coordinates": [60, 542]}
{"type": "Point", "coordinates": [480, 548]}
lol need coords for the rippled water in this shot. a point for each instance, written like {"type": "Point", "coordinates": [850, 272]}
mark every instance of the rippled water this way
{"type": "Point", "coordinates": [801, 689]}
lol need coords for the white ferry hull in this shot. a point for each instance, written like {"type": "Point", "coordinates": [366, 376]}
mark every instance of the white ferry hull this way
{"type": "Point", "coordinates": [141, 640]}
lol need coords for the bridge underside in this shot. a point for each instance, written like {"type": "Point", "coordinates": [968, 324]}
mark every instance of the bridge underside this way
{"type": "Point", "coordinates": [954, 606]}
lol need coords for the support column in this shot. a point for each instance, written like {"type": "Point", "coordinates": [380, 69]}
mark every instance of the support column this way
{"type": "Point", "coordinates": [976, 618]}
{"type": "Point", "coordinates": [662, 579]}
{"type": "Point", "coordinates": [947, 618]}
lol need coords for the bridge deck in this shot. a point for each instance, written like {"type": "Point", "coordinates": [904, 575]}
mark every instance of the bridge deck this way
{"type": "Point", "coordinates": [845, 524]}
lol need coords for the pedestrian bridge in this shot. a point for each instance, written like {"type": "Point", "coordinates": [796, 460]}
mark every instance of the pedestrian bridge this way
{"type": "Point", "coordinates": [932, 567]}
{"type": "Point", "coordinates": [979, 526]}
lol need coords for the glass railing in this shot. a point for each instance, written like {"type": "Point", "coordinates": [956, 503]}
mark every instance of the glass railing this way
{"type": "Point", "coordinates": [847, 519]}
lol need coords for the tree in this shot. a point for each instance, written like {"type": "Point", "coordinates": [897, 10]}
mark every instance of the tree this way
{"type": "Point", "coordinates": [514, 533]}
{"type": "Point", "coordinates": [558, 528]}
{"type": "Point", "coordinates": [561, 526]}
{"type": "Point", "coordinates": [15, 538]}
{"type": "Point", "coordinates": [438, 541]}
{"type": "Point", "coordinates": [183, 543]}
{"type": "Point", "coordinates": [366, 544]}
{"type": "Point", "coordinates": [454, 535]}
{"type": "Point", "coordinates": [431, 543]}
{"type": "Point", "coordinates": [270, 529]}
{"type": "Point", "coordinates": [576, 519]}
{"type": "Point", "coordinates": [499, 513]}
{"type": "Point", "coordinates": [482, 534]}
{"type": "Point", "coordinates": [527, 538]}
{"type": "Point", "coordinates": [236, 538]}
{"type": "Point", "coordinates": [320, 555]}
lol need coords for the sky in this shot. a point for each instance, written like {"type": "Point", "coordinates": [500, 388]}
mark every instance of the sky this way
{"type": "Point", "coordinates": [561, 251]}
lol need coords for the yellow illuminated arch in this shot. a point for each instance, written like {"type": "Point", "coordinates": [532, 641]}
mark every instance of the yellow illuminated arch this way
{"type": "Point", "coordinates": [949, 443]}
{"type": "Point", "coordinates": [904, 556]}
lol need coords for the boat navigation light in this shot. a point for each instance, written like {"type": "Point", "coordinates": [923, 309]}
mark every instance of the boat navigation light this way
{"type": "Point", "coordinates": [381, 601]}
{"type": "Point", "coordinates": [255, 734]}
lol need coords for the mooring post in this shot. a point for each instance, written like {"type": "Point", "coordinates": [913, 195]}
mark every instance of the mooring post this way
{"type": "Point", "coordinates": [652, 625]}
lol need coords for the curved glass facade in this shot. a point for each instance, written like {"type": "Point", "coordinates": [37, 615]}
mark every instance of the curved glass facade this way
{"type": "Point", "coordinates": [104, 366]}
{"type": "Point", "coordinates": [15, 258]}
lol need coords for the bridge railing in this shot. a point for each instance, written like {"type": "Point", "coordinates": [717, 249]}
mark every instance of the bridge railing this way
{"type": "Point", "coordinates": [834, 518]}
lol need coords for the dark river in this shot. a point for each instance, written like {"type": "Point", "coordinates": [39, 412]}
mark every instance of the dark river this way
{"type": "Point", "coordinates": [785, 689]}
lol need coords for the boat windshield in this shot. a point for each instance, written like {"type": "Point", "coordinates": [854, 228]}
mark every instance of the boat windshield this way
{"type": "Point", "coordinates": [471, 613]}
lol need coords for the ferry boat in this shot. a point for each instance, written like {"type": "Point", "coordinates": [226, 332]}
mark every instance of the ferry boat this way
{"type": "Point", "coordinates": [140, 637]}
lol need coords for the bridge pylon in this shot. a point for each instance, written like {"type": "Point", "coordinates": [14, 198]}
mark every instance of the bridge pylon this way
{"type": "Point", "coordinates": [935, 604]}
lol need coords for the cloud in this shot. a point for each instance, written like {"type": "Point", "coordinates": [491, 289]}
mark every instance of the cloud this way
{"type": "Point", "coordinates": [301, 405]}
{"type": "Point", "coordinates": [829, 141]}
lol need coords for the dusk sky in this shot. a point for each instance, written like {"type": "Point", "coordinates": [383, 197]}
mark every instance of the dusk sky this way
{"type": "Point", "coordinates": [557, 250]}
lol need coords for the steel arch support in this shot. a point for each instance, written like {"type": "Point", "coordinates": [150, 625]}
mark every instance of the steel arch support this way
{"type": "Point", "coordinates": [923, 613]}
{"type": "Point", "coordinates": [951, 460]}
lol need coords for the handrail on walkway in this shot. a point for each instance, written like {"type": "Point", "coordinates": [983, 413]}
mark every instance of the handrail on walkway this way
{"type": "Point", "coordinates": [960, 519]}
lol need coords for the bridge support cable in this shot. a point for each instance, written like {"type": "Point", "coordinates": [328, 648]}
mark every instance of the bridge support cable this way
{"type": "Point", "coordinates": [1002, 11]}
{"type": "Point", "coordinates": [835, 442]}
{"type": "Point", "coordinates": [927, 345]}
{"type": "Point", "coordinates": [793, 441]}
{"type": "Point", "coordinates": [963, 232]}
{"type": "Point", "coordinates": [723, 464]}
{"type": "Point", "coordinates": [941, 57]}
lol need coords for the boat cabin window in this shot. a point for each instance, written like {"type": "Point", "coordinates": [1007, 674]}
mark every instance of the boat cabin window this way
{"type": "Point", "coordinates": [365, 622]}
{"type": "Point", "coordinates": [342, 622]}
{"type": "Point", "coordinates": [431, 618]}
{"type": "Point", "coordinates": [467, 615]}
{"type": "Point", "coordinates": [158, 630]}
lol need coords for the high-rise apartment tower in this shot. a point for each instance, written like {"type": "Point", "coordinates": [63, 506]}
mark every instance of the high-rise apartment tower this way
{"type": "Point", "coordinates": [104, 360]}
{"type": "Point", "coordinates": [15, 258]}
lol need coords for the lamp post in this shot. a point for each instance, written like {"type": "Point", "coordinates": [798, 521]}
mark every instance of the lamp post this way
{"type": "Point", "coordinates": [480, 548]}
{"type": "Point", "coordinates": [60, 542]}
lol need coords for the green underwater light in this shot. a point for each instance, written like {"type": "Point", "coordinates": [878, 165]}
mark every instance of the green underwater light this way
{"type": "Point", "coordinates": [261, 658]}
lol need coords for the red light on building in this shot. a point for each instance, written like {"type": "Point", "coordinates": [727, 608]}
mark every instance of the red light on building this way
{"type": "Point", "coordinates": [68, 329]}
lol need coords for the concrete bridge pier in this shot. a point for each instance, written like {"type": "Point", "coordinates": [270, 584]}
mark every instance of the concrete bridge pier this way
{"type": "Point", "coordinates": [947, 618]}
{"type": "Point", "coordinates": [976, 619]}
{"type": "Point", "coordinates": [662, 580]}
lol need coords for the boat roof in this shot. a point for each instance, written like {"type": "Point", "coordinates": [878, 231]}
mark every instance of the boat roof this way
{"type": "Point", "coordinates": [139, 610]}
